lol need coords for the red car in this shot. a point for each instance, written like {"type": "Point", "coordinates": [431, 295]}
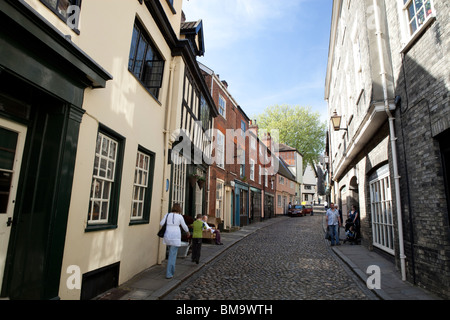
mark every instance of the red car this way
{"type": "Point", "coordinates": [308, 209]}
{"type": "Point", "coordinates": [297, 211]}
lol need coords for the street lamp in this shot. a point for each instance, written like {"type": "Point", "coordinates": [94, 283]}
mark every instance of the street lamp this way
{"type": "Point", "coordinates": [337, 122]}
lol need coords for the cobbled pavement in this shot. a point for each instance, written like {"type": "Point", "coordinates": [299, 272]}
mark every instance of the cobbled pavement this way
{"type": "Point", "coordinates": [289, 260]}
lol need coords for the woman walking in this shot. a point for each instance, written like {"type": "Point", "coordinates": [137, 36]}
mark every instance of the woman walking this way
{"type": "Point", "coordinates": [197, 235]}
{"type": "Point", "coordinates": [172, 237]}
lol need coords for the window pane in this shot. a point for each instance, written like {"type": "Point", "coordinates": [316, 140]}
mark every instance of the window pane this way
{"type": "Point", "coordinates": [419, 4]}
{"type": "Point", "coordinates": [413, 26]}
{"type": "Point", "coordinates": [428, 7]}
{"type": "Point", "coordinates": [140, 57]}
{"type": "Point", "coordinates": [8, 143]}
{"type": "Point", "coordinates": [411, 11]}
{"type": "Point", "coordinates": [421, 17]}
{"type": "Point", "coordinates": [134, 43]}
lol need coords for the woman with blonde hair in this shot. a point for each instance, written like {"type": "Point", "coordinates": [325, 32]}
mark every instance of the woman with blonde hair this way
{"type": "Point", "coordinates": [172, 237]}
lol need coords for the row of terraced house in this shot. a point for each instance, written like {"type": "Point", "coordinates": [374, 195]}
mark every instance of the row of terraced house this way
{"type": "Point", "coordinates": [106, 120]}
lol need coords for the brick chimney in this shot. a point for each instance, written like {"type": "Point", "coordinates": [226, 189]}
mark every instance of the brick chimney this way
{"type": "Point", "coordinates": [225, 84]}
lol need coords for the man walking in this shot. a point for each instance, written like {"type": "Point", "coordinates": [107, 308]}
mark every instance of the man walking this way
{"type": "Point", "coordinates": [334, 222]}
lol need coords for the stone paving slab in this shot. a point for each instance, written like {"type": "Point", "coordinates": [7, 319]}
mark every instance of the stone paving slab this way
{"type": "Point", "coordinates": [360, 258]}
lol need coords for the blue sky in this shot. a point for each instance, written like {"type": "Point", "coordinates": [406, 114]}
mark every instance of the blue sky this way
{"type": "Point", "coordinates": [269, 52]}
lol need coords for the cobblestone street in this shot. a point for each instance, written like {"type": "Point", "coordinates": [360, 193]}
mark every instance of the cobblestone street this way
{"type": "Point", "coordinates": [286, 261]}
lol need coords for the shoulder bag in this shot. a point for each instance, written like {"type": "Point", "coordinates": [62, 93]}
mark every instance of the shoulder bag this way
{"type": "Point", "coordinates": [163, 229]}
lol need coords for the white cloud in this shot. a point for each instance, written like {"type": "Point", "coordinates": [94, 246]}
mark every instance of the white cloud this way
{"type": "Point", "coordinates": [228, 22]}
{"type": "Point", "coordinates": [270, 52]}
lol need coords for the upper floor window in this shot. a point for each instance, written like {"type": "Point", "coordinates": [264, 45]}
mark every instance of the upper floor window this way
{"type": "Point", "coordinates": [243, 128]}
{"type": "Point", "coordinates": [67, 10]}
{"type": "Point", "coordinates": [170, 3]}
{"type": "Point", "coordinates": [205, 115]}
{"type": "Point", "coordinates": [145, 62]}
{"type": "Point", "coordinates": [416, 13]}
{"type": "Point", "coordinates": [220, 150]}
{"type": "Point", "coordinates": [222, 106]}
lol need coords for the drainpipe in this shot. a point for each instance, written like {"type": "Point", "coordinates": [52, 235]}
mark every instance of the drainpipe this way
{"type": "Point", "coordinates": [166, 133]}
{"type": "Point", "coordinates": [393, 139]}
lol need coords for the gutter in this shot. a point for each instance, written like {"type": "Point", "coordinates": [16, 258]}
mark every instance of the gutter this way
{"type": "Point", "coordinates": [166, 146]}
{"type": "Point", "coordinates": [393, 138]}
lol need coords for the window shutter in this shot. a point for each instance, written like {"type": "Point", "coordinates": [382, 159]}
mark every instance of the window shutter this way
{"type": "Point", "coordinates": [153, 73]}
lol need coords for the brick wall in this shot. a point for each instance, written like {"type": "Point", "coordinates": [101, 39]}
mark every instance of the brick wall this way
{"type": "Point", "coordinates": [422, 81]}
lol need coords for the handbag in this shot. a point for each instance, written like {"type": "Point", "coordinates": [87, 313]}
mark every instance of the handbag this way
{"type": "Point", "coordinates": [163, 229]}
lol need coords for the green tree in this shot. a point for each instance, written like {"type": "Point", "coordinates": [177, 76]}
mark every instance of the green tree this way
{"type": "Point", "coordinates": [299, 127]}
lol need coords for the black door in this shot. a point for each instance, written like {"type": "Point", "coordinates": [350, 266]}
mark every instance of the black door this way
{"type": "Point", "coordinates": [445, 152]}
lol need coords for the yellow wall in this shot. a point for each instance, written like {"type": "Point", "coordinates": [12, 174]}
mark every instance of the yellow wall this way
{"type": "Point", "coordinates": [126, 107]}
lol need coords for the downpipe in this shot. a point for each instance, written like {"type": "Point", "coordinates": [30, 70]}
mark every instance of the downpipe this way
{"type": "Point", "coordinates": [166, 152]}
{"type": "Point", "coordinates": [393, 140]}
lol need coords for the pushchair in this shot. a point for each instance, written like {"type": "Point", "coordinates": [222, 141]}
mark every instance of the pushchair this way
{"type": "Point", "coordinates": [351, 232]}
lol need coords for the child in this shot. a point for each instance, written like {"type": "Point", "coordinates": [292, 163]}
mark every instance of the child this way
{"type": "Point", "coordinates": [197, 236]}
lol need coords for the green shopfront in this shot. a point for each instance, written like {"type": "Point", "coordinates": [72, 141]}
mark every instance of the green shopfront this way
{"type": "Point", "coordinates": [43, 77]}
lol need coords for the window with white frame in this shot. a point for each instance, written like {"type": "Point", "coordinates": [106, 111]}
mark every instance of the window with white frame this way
{"type": "Point", "coordinates": [222, 106]}
{"type": "Point", "coordinates": [252, 169]}
{"type": "Point", "coordinates": [219, 198]}
{"type": "Point", "coordinates": [103, 179]}
{"type": "Point", "coordinates": [178, 180]}
{"type": "Point", "coordinates": [243, 128]}
{"type": "Point", "coordinates": [140, 209]}
{"type": "Point", "coordinates": [260, 174]}
{"type": "Point", "coordinates": [253, 143]}
{"type": "Point", "coordinates": [381, 210]}
{"type": "Point", "coordinates": [220, 149]}
{"type": "Point", "coordinates": [416, 13]}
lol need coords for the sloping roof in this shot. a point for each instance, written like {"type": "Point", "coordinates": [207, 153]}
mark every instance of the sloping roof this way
{"type": "Point", "coordinates": [283, 169]}
{"type": "Point", "coordinates": [191, 29]}
{"type": "Point", "coordinates": [285, 148]}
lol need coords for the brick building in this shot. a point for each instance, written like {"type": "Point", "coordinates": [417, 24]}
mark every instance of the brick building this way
{"type": "Point", "coordinates": [294, 160]}
{"type": "Point", "coordinates": [235, 182]}
{"type": "Point", "coordinates": [387, 82]}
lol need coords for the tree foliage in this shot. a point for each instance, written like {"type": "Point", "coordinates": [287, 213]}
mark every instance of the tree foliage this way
{"type": "Point", "coordinates": [299, 127]}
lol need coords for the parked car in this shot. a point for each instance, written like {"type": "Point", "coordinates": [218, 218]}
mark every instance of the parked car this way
{"type": "Point", "coordinates": [297, 211]}
{"type": "Point", "coordinates": [308, 209]}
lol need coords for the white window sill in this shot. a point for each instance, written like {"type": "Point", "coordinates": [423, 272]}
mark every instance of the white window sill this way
{"type": "Point", "coordinates": [412, 40]}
